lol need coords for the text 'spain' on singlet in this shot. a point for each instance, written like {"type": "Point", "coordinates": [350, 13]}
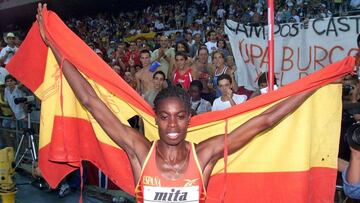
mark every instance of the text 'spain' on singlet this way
{"type": "Point", "coordinates": [153, 187]}
{"type": "Point", "coordinates": [183, 79]}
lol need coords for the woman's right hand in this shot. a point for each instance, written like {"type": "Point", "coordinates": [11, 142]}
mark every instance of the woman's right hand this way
{"type": "Point", "coordinates": [40, 20]}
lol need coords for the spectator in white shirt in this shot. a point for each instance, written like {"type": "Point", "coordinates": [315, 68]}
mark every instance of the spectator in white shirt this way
{"type": "Point", "coordinates": [12, 92]}
{"type": "Point", "coordinates": [8, 52]}
{"type": "Point", "coordinates": [212, 43]}
{"type": "Point", "coordinates": [220, 12]}
{"type": "Point", "coordinates": [227, 98]}
{"type": "Point", "coordinates": [295, 17]}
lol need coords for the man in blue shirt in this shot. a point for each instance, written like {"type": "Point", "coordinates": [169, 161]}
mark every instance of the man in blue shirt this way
{"type": "Point", "coordinates": [351, 175]}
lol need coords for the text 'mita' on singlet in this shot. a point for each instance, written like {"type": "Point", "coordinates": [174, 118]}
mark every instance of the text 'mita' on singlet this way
{"type": "Point", "coordinates": [153, 187]}
{"type": "Point", "coordinates": [171, 194]}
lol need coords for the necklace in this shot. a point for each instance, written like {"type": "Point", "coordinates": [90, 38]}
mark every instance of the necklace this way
{"type": "Point", "coordinates": [172, 166]}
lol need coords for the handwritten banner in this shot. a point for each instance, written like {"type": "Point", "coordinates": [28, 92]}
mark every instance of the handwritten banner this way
{"type": "Point", "coordinates": [300, 48]}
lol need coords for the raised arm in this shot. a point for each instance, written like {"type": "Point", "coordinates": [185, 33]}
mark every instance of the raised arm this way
{"type": "Point", "coordinates": [136, 145]}
{"type": "Point", "coordinates": [211, 150]}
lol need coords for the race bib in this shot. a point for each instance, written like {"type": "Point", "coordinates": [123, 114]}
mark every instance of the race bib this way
{"type": "Point", "coordinates": [171, 194]}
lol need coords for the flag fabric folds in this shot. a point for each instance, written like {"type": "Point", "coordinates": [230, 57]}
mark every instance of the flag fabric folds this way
{"type": "Point", "coordinates": [296, 161]}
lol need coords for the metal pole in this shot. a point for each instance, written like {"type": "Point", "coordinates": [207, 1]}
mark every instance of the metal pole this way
{"type": "Point", "coordinates": [271, 45]}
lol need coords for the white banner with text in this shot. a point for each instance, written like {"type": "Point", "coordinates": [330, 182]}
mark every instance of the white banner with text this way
{"type": "Point", "coordinates": [300, 48]}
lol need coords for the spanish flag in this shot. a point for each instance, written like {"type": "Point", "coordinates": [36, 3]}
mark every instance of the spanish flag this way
{"type": "Point", "coordinates": [296, 161]}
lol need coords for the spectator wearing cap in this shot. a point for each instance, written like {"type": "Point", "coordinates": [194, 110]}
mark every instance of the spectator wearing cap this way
{"type": "Point", "coordinates": [8, 52]}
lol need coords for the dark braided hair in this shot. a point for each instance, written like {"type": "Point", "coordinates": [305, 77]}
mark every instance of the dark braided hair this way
{"type": "Point", "coordinates": [173, 91]}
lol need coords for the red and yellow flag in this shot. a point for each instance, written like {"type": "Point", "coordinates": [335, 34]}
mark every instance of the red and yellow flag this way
{"type": "Point", "coordinates": [296, 161]}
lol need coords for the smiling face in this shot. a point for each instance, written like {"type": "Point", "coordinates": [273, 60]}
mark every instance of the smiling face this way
{"type": "Point", "coordinates": [172, 119]}
{"type": "Point", "coordinates": [180, 61]}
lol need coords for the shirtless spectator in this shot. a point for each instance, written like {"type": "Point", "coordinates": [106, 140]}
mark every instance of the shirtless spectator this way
{"type": "Point", "coordinates": [144, 76]}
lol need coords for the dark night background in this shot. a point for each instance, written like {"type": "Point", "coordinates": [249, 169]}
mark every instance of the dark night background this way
{"type": "Point", "coordinates": [24, 15]}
